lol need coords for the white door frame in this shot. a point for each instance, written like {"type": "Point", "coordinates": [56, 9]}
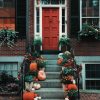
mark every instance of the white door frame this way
{"type": "Point", "coordinates": [40, 6]}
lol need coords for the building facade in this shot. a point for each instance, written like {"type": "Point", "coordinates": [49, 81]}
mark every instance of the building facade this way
{"type": "Point", "coordinates": [50, 19]}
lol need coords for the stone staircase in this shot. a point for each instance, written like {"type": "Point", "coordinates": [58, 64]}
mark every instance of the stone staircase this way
{"type": "Point", "coordinates": [51, 88]}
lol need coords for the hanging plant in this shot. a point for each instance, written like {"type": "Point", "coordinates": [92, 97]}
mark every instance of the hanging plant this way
{"type": "Point", "coordinates": [8, 37]}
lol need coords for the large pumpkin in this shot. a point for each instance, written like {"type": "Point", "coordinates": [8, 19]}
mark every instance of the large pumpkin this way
{"type": "Point", "coordinates": [41, 75]}
{"type": "Point", "coordinates": [33, 66]}
{"type": "Point", "coordinates": [71, 87]}
{"type": "Point", "coordinates": [29, 95]}
{"type": "Point", "coordinates": [59, 61]}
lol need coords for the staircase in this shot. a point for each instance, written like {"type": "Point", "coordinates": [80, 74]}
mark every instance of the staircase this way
{"type": "Point", "coordinates": [51, 88]}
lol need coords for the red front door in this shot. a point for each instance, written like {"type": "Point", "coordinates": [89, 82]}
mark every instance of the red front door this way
{"type": "Point", "coordinates": [50, 28]}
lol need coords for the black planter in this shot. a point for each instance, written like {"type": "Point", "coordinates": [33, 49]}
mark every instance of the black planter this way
{"type": "Point", "coordinates": [63, 48]}
{"type": "Point", "coordinates": [37, 48]}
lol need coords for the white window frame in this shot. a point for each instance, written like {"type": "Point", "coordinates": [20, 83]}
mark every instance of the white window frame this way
{"type": "Point", "coordinates": [40, 6]}
{"type": "Point", "coordinates": [87, 17]}
{"type": "Point", "coordinates": [84, 74]}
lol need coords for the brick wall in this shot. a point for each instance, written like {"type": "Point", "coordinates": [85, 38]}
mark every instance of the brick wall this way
{"type": "Point", "coordinates": [31, 20]}
{"type": "Point", "coordinates": [86, 48]}
{"type": "Point", "coordinates": [17, 50]}
{"type": "Point", "coordinates": [90, 96]}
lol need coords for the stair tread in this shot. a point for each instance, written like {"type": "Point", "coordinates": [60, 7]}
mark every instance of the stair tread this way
{"type": "Point", "coordinates": [53, 72]}
{"type": "Point", "coordinates": [49, 80]}
{"type": "Point", "coordinates": [50, 90]}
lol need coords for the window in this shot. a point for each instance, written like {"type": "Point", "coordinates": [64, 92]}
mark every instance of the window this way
{"type": "Point", "coordinates": [55, 2]}
{"type": "Point", "coordinates": [63, 20]}
{"type": "Point", "coordinates": [91, 12]}
{"type": "Point", "coordinates": [37, 20]}
{"type": "Point", "coordinates": [92, 76]}
{"type": "Point", "coordinates": [7, 14]}
{"type": "Point", "coordinates": [10, 68]}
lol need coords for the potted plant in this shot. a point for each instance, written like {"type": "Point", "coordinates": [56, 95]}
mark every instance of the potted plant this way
{"type": "Point", "coordinates": [8, 37]}
{"type": "Point", "coordinates": [37, 42]}
{"type": "Point", "coordinates": [89, 32]}
{"type": "Point", "coordinates": [64, 42]}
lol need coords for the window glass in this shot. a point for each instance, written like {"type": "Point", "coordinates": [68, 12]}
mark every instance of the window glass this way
{"type": "Point", "coordinates": [51, 1]}
{"type": "Point", "coordinates": [10, 68]}
{"type": "Point", "coordinates": [37, 20]}
{"type": "Point", "coordinates": [90, 8]}
{"type": "Point", "coordinates": [63, 20]}
{"type": "Point", "coordinates": [92, 76]}
{"type": "Point", "coordinates": [1, 3]}
{"type": "Point", "coordinates": [7, 14]}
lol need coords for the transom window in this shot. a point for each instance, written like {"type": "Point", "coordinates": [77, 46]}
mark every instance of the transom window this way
{"type": "Point", "coordinates": [90, 12]}
{"type": "Point", "coordinates": [50, 2]}
{"type": "Point", "coordinates": [92, 76]}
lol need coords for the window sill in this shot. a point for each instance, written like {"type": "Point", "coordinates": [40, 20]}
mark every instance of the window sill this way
{"type": "Point", "coordinates": [89, 91]}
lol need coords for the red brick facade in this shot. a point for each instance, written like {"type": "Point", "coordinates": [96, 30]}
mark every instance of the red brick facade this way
{"type": "Point", "coordinates": [86, 48]}
{"type": "Point", "coordinates": [17, 50]}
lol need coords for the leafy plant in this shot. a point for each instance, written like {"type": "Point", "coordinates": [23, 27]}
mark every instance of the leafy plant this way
{"type": "Point", "coordinates": [64, 41]}
{"type": "Point", "coordinates": [88, 32]}
{"type": "Point", "coordinates": [37, 41]}
{"type": "Point", "coordinates": [68, 71]}
{"type": "Point", "coordinates": [8, 37]}
{"type": "Point", "coordinates": [73, 93]}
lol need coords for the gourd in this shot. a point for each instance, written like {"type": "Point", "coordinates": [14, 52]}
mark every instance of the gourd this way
{"type": "Point", "coordinates": [59, 61]}
{"type": "Point", "coordinates": [41, 75]}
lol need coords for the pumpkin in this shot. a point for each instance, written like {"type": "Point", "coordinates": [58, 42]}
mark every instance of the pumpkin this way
{"type": "Point", "coordinates": [41, 75]}
{"type": "Point", "coordinates": [59, 61]}
{"type": "Point", "coordinates": [71, 87]}
{"type": "Point", "coordinates": [36, 86]}
{"type": "Point", "coordinates": [33, 66]}
{"type": "Point", "coordinates": [29, 95]}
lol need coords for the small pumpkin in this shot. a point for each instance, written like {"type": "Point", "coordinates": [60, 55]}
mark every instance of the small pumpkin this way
{"type": "Point", "coordinates": [36, 86]}
{"type": "Point", "coordinates": [41, 75]}
{"type": "Point", "coordinates": [33, 66]}
{"type": "Point", "coordinates": [71, 87]}
{"type": "Point", "coordinates": [27, 95]}
{"type": "Point", "coordinates": [59, 61]}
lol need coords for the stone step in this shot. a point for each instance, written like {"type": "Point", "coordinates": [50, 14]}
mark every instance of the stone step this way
{"type": "Point", "coordinates": [51, 93]}
{"type": "Point", "coordinates": [52, 83]}
{"type": "Point", "coordinates": [51, 62]}
{"type": "Point", "coordinates": [50, 57]}
{"type": "Point", "coordinates": [53, 75]}
{"type": "Point", "coordinates": [53, 99]}
{"type": "Point", "coordinates": [53, 68]}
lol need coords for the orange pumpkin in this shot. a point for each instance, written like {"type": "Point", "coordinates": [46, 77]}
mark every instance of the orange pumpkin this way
{"type": "Point", "coordinates": [41, 75]}
{"type": "Point", "coordinates": [71, 87]}
{"type": "Point", "coordinates": [33, 66]}
{"type": "Point", "coordinates": [29, 95]}
{"type": "Point", "coordinates": [59, 61]}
